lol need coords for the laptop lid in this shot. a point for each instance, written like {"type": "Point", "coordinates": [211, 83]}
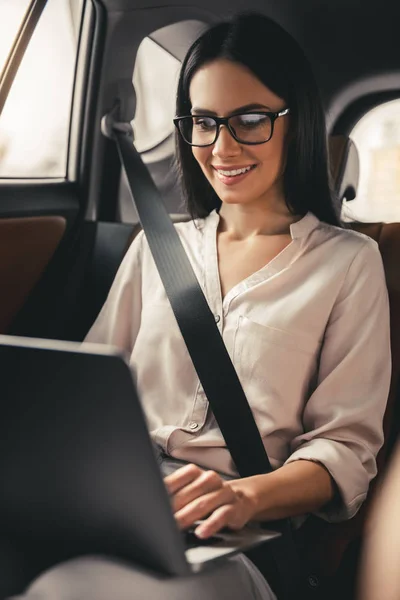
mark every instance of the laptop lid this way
{"type": "Point", "coordinates": [77, 467]}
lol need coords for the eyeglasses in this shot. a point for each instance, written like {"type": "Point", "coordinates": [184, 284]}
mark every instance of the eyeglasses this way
{"type": "Point", "coordinates": [248, 128]}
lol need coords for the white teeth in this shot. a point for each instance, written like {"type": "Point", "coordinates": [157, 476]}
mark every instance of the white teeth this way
{"type": "Point", "coordinates": [234, 172]}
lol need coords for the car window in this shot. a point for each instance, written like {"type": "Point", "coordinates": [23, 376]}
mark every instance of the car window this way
{"type": "Point", "coordinates": [377, 137]}
{"type": "Point", "coordinates": [34, 124]}
{"type": "Point", "coordinates": [155, 80]}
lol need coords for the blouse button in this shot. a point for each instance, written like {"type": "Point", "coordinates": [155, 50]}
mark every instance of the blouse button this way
{"type": "Point", "coordinates": [193, 425]}
{"type": "Point", "coordinates": [217, 318]}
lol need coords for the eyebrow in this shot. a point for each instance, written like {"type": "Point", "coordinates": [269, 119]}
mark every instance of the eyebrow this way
{"type": "Point", "coordinates": [240, 109]}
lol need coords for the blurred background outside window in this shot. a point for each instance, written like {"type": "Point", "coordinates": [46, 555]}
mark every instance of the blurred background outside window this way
{"type": "Point", "coordinates": [34, 124]}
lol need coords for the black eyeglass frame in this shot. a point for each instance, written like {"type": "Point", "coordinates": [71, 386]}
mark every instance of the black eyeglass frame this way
{"type": "Point", "coordinates": [225, 121]}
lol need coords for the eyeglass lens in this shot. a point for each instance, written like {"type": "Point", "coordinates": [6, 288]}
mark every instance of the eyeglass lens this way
{"type": "Point", "coordinates": [250, 127]}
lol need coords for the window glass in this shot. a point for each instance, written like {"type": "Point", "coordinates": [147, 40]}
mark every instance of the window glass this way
{"type": "Point", "coordinates": [11, 15]}
{"type": "Point", "coordinates": [377, 137]}
{"type": "Point", "coordinates": [155, 79]}
{"type": "Point", "coordinates": [34, 124]}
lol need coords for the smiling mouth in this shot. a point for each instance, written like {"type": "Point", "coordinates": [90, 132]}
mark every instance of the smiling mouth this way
{"type": "Point", "coordinates": [234, 172]}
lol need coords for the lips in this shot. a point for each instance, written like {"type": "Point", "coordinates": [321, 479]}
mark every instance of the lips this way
{"type": "Point", "coordinates": [233, 170]}
{"type": "Point", "coordinates": [233, 174]}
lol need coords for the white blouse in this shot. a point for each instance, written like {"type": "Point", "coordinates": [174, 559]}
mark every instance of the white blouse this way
{"type": "Point", "coordinates": [308, 334]}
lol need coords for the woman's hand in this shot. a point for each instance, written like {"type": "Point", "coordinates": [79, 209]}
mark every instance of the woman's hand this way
{"type": "Point", "coordinates": [198, 494]}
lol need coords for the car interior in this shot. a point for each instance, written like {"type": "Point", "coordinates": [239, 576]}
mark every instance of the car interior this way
{"type": "Point", "coordinates": [65, 226]}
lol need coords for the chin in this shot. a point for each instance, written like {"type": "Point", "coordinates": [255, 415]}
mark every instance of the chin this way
{"type": "Point", "coordinates": [236, 197]}
{"type": "Point", "coordinates": [231, 198]}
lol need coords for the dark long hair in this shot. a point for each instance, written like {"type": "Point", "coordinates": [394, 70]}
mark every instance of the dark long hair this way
{"type": "Point", "coordinates": [277, 60]}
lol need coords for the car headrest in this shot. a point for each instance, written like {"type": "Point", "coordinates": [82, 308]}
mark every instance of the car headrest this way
{"type": "Point", "coordinates": [345, 166]}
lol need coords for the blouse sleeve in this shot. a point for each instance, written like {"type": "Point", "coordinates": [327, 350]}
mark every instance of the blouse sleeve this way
{"type": "Point", "coordinates": [344, 415]}
{"type": "Point", "coordinates": [118, 321]}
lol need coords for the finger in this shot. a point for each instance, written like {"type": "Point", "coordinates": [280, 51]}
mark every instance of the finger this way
{"type": "Point", "coordinates": [233, 515]}
{"type": "Point", "coordinates": [182, 477]}
{"type": "Point", "coordinates": [203, 506]}
{"type": "Point", "coordinates": [207, 482]}
{"type": "Point", "coordinates": [220, 518]}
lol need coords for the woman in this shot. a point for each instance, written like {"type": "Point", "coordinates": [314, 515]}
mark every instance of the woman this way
{"type": "Point", "coordinates": [301, 303]}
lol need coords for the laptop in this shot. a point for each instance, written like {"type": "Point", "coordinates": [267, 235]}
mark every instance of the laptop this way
{"type": "Point", "coordinates": [77, 463]}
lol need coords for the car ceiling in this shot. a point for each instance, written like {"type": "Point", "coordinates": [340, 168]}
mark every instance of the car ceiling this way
{"type": "Point", "coordinates": [352, 44]}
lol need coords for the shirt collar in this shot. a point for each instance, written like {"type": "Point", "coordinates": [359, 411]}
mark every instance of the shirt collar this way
{"type": "Point", "coordinates": [299, 229]}
{"type": "Point", "coordinates": [305, 226]}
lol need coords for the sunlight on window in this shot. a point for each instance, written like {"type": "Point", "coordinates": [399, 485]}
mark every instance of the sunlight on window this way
{"type": "Point", "coordinates": [377, 137]}
{"type": "Point", "coordinates": [35, 121]}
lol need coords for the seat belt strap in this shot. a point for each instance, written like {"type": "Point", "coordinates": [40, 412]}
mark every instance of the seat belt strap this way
{"type": "Point", "coordinates": [195, 319]}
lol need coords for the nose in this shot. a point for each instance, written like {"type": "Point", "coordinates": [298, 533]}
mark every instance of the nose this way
{"type": "Point", "coordinates": [226, 145]}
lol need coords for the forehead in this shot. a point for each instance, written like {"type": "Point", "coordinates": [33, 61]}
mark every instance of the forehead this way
{"type": "Point", "coordinates": [221, 86]}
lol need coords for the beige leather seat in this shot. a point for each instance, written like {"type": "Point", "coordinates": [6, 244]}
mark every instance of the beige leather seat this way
{"type": "Point", "coordinates": [345, 166]}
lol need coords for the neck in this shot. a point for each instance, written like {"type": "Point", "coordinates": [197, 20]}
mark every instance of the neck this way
{"type": "Point", "coordinates": [241, 221]}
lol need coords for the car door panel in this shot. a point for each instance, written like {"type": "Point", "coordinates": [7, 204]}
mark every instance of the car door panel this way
{"type": "Point", "coordinates": [26, 247]}
{"type": "Point", "coordinates": [34, 219]}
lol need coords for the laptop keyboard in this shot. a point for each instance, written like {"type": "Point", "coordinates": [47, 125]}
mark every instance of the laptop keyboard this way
{"type": "Point", "coordinates": [191, 540]}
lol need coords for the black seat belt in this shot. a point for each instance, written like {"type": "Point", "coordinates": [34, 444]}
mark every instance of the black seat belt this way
{"type": "Point", "coordinates": [203, 340]}
{"type": "Point", "coordinates": [191, 310]}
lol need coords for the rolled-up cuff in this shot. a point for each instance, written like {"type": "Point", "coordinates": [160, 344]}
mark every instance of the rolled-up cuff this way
{"type": "Point", "coordinates": [347, 471]}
